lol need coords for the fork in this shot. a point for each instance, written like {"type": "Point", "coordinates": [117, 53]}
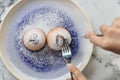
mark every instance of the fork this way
{"type": "Point", "coordinates": [66, 53]}
{"type": "Point", "coordinates": [86, 37]}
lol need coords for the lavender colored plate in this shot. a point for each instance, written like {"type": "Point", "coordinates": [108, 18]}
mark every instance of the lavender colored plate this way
{"type": "Point", "coordinates": [45, 64]}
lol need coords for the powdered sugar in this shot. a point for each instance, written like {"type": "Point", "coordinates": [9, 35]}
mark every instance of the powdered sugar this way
{"type": "Point", "coordinates": [44, 18]}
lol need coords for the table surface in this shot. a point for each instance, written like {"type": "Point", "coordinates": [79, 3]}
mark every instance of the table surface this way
{"type": "Point", "coordinates": [103, 65]}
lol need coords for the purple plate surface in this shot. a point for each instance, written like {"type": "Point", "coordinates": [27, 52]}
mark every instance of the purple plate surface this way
{"type": "Point", "coordinates": [46, 59]}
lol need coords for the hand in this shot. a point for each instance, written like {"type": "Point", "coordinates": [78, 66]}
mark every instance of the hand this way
{"type": "Point", "coordinates": [111, 37]}
{"type": "Point", "coordinates": [76, 73]}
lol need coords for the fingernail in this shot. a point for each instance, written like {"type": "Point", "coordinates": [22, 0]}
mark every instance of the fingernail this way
{"type": "Point", "coordinates": [88, 32]}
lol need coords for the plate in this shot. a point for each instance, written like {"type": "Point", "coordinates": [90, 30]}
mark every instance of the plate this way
{"type": "Point", "coordinates": [46, 15]}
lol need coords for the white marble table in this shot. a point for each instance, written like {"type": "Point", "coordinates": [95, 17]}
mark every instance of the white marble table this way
{"type": "Point", "coordinates": [103, 65]}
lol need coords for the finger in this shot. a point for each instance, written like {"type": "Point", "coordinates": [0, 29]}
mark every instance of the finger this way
{"type": "Point", "coordinates": [116, 23]}
{"type": "Point", "coordinates": [68, 79]}
{"type": "Point", "coordinates": [104, 28]}
{"type": "Point", "coordinates": [75, 78]}
{"type": "Point", "coordinates": [95, 39]}
{"type": "Point", "coordinates": [117, 19]}
{"type": "Point", "coordinates": [76, 72]}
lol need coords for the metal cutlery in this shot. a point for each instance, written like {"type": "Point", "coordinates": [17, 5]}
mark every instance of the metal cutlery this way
{"type": "Point", "coordinates": [66, 53]}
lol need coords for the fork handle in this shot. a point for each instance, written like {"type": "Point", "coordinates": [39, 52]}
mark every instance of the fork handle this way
{"type": "Point", "coordinates": [71, 76]}
{"type": "Point", "coordinates": [69, 61]}
{"type": "Point", "coordinates": [86, 37]}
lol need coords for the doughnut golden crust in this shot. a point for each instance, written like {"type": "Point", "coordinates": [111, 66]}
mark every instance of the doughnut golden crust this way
{"type": "Point", "coordinates": [52, 37]}
{"type": "Point", "coordinates": [34, 39]}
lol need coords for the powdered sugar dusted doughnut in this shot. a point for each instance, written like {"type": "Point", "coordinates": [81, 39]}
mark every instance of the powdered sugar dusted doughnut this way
{"type": "Point", "coordinates": [55, 36]}
{"type": "Point", "coordinates": [34, 39]}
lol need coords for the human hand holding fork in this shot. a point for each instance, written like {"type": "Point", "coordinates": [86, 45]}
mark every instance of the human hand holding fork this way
{"type": "Point", "coordinates": [66, 52]}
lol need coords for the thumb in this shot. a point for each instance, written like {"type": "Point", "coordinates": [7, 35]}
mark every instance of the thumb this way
{"type": "Point", "coordinates": [76, 72]}
{"type": "Point", "coordinates": [95, 39]}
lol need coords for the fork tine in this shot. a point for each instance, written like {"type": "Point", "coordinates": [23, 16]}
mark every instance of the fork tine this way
{"type": "Point", "coordinates": [66, 48]}
{"type": "Point", "coordinates": [63, 49]}
{"type": "Point", "coordinates": [69, 49]}
{"type": "Point", "coordinates": [66, 45]}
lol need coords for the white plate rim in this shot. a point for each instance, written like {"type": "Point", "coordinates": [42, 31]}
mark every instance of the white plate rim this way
{"type": "Point", "coordinates": [17, 74]}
